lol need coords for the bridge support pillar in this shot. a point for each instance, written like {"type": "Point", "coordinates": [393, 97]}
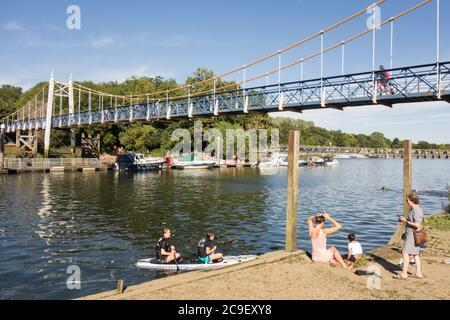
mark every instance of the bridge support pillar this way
{"type": "Point", "coordinates": [26, 144]}
{"type": "Point", "coordinates": [396, 239]}
{"type": "Point", "coordinates": [90, 147]}
{"type": "Point", "coordinates": [49, 116]}
{"type": "Point", "coordinates": [292, 192]}
{"type": "Point", "coordinates": [72, 141]}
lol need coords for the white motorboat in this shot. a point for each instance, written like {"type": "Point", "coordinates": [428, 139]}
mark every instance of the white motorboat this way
{"type": "Point", "coordinates": [358, 156]}
{"type": "Point", "coordinates": [275, 160]}
{"type": "Point", "coordinates": [342, 156]}
{"type": "Point", "coordinates": [331, 162]}
{"type": "Point", "coordinates": [268, 163]}
{"type": "Point", "coordinates": [195, 164]}
{"type": "Point", "coordinates": [284, 162]}
{"type": "Point", "coordinates": [315, 162]}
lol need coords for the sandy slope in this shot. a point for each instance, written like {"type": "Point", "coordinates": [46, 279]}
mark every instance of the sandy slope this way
{"type": "Point", "coordinates": [282, 275]}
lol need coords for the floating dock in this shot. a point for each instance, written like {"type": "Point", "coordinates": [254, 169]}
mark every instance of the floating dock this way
{"type": "Point", "coordinates": [53, 165]}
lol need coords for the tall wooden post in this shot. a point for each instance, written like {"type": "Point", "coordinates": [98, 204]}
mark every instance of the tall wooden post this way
{"type": "Point", "coordinates": [292, 191]}
{"type": "Point", "coordinates": [396, 239]}
{"type": "Point", "coordinates": [18, 143]}
{"type": "Point", "coordinates": [2, 147]}
{"type": "Point", "coordinates": [35, 134]}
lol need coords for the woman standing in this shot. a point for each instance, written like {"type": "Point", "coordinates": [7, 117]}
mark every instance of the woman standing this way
{"type": "Point", "coordinates": [410, 249]}
{"type": "Point", "coordinates": [318, 234]}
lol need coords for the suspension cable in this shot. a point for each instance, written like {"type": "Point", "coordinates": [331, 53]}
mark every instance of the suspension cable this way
{"type": "Point", "coordinates": [252, 63]}
{"type": "Point", "coordinates": [326, 50]}
{"type": "Point", "coordinates": [294, 45]}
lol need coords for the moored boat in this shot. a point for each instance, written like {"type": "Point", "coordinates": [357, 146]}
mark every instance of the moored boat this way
{"type": "Point", "coordinates": [342, 156]}
{"type": "Point", "coordinates": [358, 156]}
{"type": "Point", "coordinates": [284, 162]}
{"type": "Point", "coordinates": [315, 162]}
{"type": "Point", "coordinates": [331, 162]}
{"type": "Point", "coordinates": [131, 161]}
{"type": "Point", "coordinates": [195, 164]}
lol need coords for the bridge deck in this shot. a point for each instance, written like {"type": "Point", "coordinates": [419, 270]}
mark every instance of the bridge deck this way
{"type": "Point", "coordinates": [409, 84]}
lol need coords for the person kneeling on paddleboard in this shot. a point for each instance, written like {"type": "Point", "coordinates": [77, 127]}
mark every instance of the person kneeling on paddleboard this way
{"type": "Point", "coordinates": [164, 249]}
{"type": "Point", "coordinates": [206, 250]}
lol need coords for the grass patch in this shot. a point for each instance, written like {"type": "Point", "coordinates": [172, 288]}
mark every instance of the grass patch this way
{"type": "Point", "coordinates": [441, 222]}
{"type": "Point", "coordinates": [361, 262]}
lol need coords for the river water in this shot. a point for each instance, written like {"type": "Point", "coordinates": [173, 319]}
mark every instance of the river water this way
{"type": "Point", "coordinates": [104, 222]}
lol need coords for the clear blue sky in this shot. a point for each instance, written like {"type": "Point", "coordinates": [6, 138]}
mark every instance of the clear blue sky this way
{"type": "Point", "coordinates": [120, 39]}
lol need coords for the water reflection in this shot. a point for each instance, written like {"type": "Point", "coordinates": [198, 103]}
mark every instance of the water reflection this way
{"type": "Point", "coordinates": [105, 222]}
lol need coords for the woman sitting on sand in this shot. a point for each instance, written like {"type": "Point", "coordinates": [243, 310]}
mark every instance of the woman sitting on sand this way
{"type": "Point", "coordinates": [318, 234]}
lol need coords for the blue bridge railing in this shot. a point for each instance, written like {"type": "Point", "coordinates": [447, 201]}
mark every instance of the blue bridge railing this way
{"type": "Point", "coordinates": [429, 82]}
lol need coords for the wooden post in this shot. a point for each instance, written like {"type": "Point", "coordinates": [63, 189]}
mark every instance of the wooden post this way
{"type": "Point", "coordinates": [2, 147]}
{"type": "Point", "coordinates": [18, 143]}
{"type": "Point", "coordinates": [120, 287]}
{"type": "Point", "coordinates": [292, 191]}
{"type": "Point", "coordinates": [35, 134]}
{"type": "Point", "coordinates": [396, 239]}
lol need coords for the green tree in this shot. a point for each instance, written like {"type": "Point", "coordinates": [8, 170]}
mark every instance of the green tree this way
{"type": "Point", "coordinates": [201, 75]}
{"type": "Point", "coordinates": [396, 143]}
{"type": "Point", "coordinates": [312, 141]}
{"type": "Point", "coordinates": [423, 145]}
{"type": "Point", "coordinates": [377, 140]}
{"type": "Point", "coordinates": [350, 140]}
{"type": "Point", "coordinates": [9, 95]}
{"type": "Point", "coordinates": [362, 141]}
{"type": "Point", "coordinates": [137, 137]}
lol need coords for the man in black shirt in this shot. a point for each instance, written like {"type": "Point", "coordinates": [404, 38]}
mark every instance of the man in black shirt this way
{"type": "Point", "coordinates": [165, 250]}
{"type": "Point", "coordinates": [206, 250]}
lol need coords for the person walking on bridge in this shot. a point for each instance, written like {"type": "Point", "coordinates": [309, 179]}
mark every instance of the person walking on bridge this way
{"type": "Point", "coordinates": [384, 78]}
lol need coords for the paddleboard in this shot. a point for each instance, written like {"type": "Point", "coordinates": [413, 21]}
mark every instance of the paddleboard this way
{"type": "Point", "coordinates": [187, 265]}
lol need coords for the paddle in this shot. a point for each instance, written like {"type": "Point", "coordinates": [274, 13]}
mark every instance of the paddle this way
{"type": "Point", "coordinates": [231, 240]}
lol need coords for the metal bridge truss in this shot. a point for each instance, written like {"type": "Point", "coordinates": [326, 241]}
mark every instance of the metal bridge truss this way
{"type": "Point", "coordinates": [420, 83]}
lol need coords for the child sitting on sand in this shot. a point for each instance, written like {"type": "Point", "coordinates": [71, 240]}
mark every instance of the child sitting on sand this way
{"type": "Point", "coordinates": [354, 249]}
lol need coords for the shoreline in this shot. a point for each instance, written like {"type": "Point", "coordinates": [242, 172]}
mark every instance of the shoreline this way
{"type": "Point", "coordinates": [293, 276]}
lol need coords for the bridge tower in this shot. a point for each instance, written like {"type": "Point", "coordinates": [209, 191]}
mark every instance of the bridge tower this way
{"type": "Point", "coordinates": [49, 115]}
